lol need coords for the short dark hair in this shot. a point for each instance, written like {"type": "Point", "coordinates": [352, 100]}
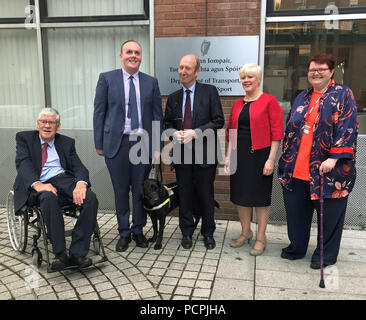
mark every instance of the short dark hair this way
{"type": "Point", "coordinates": [128, 42]}
{"type": "Point", "coordinates": [323, 58]}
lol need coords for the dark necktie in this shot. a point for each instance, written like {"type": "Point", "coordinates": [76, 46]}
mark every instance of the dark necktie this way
{"type": "Point", "coordinates": [187, 123]}
{"type": "Point", "coordinates": [44, 154]}
{"type": "Point", "coordinates": [132, 106]}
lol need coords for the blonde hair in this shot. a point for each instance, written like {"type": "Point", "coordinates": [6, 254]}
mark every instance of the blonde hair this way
{"type": "Point", "coordinates": [252, 68]}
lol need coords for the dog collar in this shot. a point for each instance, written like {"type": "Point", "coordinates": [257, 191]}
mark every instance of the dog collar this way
{"type": "Point", "coordinates": [159, 206]}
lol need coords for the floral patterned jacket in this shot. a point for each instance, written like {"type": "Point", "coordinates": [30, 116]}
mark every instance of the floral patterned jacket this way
{"type": "Point", "coordinates": [335, 136]}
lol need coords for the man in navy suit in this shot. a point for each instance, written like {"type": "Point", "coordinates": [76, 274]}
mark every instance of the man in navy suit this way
{"type": "Point", "coordinates": [194, 113]}
{"type": "Point", "coordinates": [128, 117]}
{"type": "Point", "coordinates": [47, 163]}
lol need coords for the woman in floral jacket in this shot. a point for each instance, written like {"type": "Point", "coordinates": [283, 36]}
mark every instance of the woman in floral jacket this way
{"type": "Point", "coordinates": [320, 139]}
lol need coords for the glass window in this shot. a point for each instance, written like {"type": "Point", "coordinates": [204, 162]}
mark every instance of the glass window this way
{"type": "Point", "coordinates": [20, 92]}
{"type": "Point", "coordinates": [13, 9]}
{"type": "Point", "coordinates": [289, 47]}
{"type": "Point", "coordinates": [69, 8]}
{"type": "Point", "coordinates": [279, 5]}
{"type": "Point", "coordinates": [75, 57]}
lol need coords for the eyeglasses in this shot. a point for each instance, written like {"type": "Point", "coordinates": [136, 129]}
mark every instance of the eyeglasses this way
{"type": "Point", "coordinates": [51, 123]}
{"type": "Point", "coordinates": [320, 71]}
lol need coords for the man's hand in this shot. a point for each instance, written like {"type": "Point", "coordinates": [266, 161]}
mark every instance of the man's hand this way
{"type": "Point", "coordinates": [327, 165]}
{"type": "Point", "coordinates": [188, 135]}
{"type": "Point", "coordinates": [99, 151]}
{"type": "Point", "coordinates": [79, 193]}
{"type": "Point", "coordinates": [156, 155]}
{"type": "Point", "coordinates": [39, 187]}
{"type": "Point", "coordinates": [179, 136]}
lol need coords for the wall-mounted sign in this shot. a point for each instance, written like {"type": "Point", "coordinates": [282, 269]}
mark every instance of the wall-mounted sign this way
{"type": "Point", "coordinates": [221, 59]}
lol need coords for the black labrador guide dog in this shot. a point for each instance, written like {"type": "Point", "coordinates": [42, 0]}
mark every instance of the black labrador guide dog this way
{"type": "Point", "coordinates": [159, 200]}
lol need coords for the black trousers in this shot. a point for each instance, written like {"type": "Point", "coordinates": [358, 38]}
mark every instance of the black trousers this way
{"type": "Point", "coordinates": [85, 225]}
{"type": "Point", "coordinates": [299, 213]}
{"type": "Point", "coordinates": [196, 197]}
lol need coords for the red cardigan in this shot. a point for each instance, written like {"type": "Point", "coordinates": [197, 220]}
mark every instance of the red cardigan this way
{"type": "Point", "coordinates": [266, 121]}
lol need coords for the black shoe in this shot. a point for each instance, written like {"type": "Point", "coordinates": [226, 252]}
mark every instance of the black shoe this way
{"type": "Point", "coordinates": [80, 262]}
{"type": "Point", "coordinates": [209, 242]}
{"type": "Point", "coordinates": [186, 242]}
{"type": "Point", "coordinates": [122, 243]}
{"type": "Point", "coordinates": [140, 240]}
{"type": "Point", "coordinates": [285, 255]}
{"type": "Point", "coordinates": [61, 262]}
{"type": "Point", "coordinates": [316, 265]}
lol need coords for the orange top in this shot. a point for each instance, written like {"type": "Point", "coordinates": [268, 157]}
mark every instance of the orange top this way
{"type": "Point", "coordinates": [302, 165]}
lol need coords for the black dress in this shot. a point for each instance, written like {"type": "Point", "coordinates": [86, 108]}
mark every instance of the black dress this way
{"type": "Point", "coordinates": [248, 186]}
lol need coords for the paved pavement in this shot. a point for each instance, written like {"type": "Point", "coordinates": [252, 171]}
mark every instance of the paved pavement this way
{"type": "Point", "coordinates": [174, 273]}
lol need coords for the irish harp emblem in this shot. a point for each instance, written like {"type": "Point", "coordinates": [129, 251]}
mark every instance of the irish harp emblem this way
{"type": "Point", "coordinates": [205, 46]}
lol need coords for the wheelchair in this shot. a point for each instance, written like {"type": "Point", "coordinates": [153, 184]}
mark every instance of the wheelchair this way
{"type": "Point", "coordinates": [32, 217]}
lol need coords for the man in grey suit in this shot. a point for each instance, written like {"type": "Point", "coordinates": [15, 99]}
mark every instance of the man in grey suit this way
{"type": "Point", "coordinates": [128, 114]}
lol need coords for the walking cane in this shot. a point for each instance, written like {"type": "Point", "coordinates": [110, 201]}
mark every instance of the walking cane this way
{"type": "Point", "coordinates": [321, 284]}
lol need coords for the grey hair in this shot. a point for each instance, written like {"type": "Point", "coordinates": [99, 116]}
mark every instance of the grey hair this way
{"type": "Point", "coordinates": [251, 68]}
{"type": "Point", "coordinates": [198, 63]}
{"type": "Point", "coordinates": [48, 111]}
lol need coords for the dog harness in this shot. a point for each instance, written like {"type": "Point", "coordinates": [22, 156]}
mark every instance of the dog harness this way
{"type": "Point", "coordinates": [170, 193]}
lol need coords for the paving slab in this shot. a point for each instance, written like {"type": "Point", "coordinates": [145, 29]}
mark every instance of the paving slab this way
{"type": "Point", "coordinates": [174, 273]}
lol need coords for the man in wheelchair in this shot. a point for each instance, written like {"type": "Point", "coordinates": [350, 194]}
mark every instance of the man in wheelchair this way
{"type": "Point", "coordinates": [47, 164]}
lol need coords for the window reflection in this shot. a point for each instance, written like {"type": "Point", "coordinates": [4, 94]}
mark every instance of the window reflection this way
{"type": "Point", "coordinates": [279, 5]}
{"type": "Point", "coordinates": [70, 8]}
{"type": "Point", "coordinates": [75, 57]}
{"type": "Point", "coordinates": [289, 47]}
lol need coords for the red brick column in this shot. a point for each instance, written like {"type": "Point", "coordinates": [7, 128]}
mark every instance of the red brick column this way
{"type": "Point", "coordinates": [199, 18]}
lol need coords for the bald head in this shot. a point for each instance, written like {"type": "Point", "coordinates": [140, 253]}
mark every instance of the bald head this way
{"type": "Point", "coordinates": [189, 67]}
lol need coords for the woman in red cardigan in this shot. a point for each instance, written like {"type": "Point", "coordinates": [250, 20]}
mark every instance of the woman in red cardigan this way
{"type": "Point", "coordinates": [254, 133]}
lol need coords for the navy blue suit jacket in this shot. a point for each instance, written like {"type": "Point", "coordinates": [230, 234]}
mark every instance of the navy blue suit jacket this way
{"type": "Point", "coordinates": [109, 111]}
{"type": "Point", "coordinates": [207, 114]}
{"type": "Point", "coordinates": [28, 163]}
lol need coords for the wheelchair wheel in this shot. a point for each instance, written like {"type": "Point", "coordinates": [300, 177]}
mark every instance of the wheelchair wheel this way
{"type": "Point", "coordinates": [36, 257]}
{"type": "Point", "coordinates": [96, 244]}
{"type": "Point", "coordinates": [17, 225]}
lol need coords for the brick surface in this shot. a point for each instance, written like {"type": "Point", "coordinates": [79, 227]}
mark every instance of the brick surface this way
{"type": "Point", "coordinates": [198, 18]}
{"type": "Point", "coordinates": [222, 273]}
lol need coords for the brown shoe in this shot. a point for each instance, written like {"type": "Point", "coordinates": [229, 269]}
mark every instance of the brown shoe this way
{"type": "Point", "coordinates": [258, 252]}
{"type": "Point", "coordinates": [238, 243]}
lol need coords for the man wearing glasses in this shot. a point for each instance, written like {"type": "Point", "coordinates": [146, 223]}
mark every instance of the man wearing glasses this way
{"type": "Point", "coordinates": [47, 163]}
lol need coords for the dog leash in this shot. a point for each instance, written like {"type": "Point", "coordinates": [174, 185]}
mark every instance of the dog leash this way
{"type": "Point", "coordinates": [155, 169]}
{"type": "Point", "coordinates": [321, 284]}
